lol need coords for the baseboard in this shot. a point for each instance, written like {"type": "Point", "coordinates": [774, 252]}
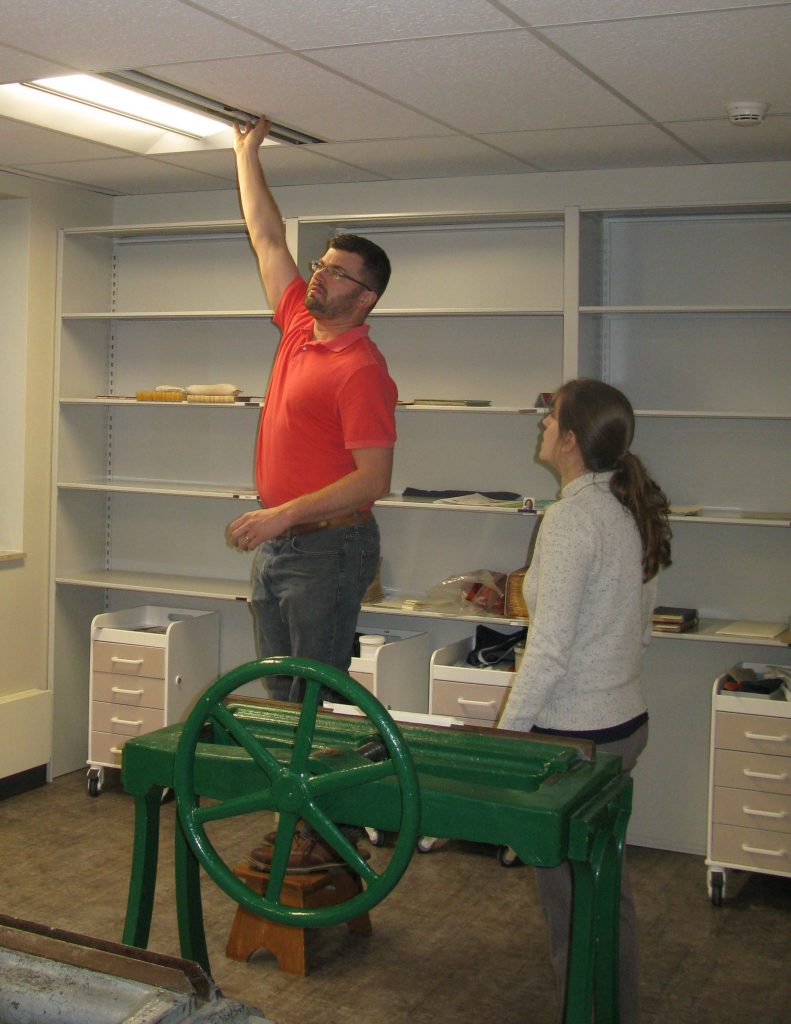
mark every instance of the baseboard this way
{"type": "Point", "coordinates": [22, 782]}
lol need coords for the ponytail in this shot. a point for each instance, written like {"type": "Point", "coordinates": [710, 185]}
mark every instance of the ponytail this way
{"type": "Point", "coordinates": [645, 499]}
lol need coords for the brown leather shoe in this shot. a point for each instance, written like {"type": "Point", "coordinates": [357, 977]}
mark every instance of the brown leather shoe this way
{"type": "Point", "coordinates": [309, 854]}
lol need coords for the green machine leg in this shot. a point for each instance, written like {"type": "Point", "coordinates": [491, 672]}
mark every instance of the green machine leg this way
{"type": "Point", "coordinates": [598, 842]}
{"type": "Point", "coordinates": [189, 904]}
{"type": "Point", "coordinates": [143, 878]}
{"type": "Point", "coordinates": [579, 986]}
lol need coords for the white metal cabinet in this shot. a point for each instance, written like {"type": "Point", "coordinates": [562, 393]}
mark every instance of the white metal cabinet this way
{"type": "Point", "coordinates": [749, 820]}
{"type": "Point", "coordinates": [396, 672]}
{"type": "Point", "coordinates": [474, 695]}
{"type": "Point", "coordinates": [148, 666]}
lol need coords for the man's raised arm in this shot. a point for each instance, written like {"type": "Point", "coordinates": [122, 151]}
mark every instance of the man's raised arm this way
{"type": "Point", "coordinates": [263, 218]}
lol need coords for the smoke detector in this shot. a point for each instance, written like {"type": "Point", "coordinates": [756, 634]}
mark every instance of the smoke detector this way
{"type": "Point", "coordinates": [746, 112]}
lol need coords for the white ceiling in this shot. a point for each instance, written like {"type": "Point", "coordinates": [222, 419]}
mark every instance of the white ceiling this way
{"type": "Point", "coordinates": [416, 89]}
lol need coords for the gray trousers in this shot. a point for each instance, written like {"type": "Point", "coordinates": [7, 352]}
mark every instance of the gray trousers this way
{"type": "Point", "coordinates": [555, 892]}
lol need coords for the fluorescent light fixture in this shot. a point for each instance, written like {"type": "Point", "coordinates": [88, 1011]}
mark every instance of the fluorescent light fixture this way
{"type": "Point", "coordinates": [174, 94]}
{"type": "Point", "coordinates": [134, 112]}
{"type": "Point", "coordinates": [97, 92]}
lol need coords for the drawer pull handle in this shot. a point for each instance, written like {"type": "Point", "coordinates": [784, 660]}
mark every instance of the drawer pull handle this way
{"type": "Point", "coordinates": [128, 693]}
{"type": "Point", "coordinates": [765, 814]}
{"type": "Point", "coordinates": [125, 721]}
{"type": "Point", "coordinates": [476, 703]}
{"type": "Point", "coordinates": [780, 777]}
{"type": "Point", "coordinates": [763, 853]}
{"type": "Point", "coordinates": [766, 739]}
{"type": "Point", "coordinates": [116, 750]}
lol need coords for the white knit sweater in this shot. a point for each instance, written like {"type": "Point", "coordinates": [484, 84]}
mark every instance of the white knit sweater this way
{"type": "Point", "coordinates": [590, 616]}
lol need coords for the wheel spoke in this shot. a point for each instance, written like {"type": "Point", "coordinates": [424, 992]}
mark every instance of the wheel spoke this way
{"type": "Point", "coordinates": [262, 757]}
{"type": "Point", "coordinates": [348, 778]}
{"type": "Point", "coordinates": [306, 726]}
{"type": "Point", "coordinates": [341, 843]}
{"type": "Point", "coordinates": [250, 804]}
{"type": "Point", "coordinates": [280, 855]}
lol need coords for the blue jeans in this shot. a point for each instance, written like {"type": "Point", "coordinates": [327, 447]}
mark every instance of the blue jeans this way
{"type": "Point", "coordinates": [306, 598]}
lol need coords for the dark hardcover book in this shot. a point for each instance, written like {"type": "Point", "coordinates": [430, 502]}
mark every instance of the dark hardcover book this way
{"type": "Point", "coordinates": [671, 613]}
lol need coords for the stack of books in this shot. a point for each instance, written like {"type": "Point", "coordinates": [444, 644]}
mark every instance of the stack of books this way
{"type": "Point", "coordinates": [669, 619]}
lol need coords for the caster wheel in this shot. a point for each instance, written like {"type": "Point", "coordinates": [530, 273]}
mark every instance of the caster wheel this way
{"type": "Point", "coordinates": [95, 780]}
{"type": "Point", "coordinates": [506, 857]}
{"type": "Point", "coordinates": [426, 844]}
{"type": "Point", "coordinates": [375, 837]}
{"type": "Point", "coordinates": [716, 888]}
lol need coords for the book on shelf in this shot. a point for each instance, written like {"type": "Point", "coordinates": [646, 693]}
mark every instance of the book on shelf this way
{"type": "Point", "coordinates": [674, 627]}
{"type": "Point", "coordinates": [673, 615]}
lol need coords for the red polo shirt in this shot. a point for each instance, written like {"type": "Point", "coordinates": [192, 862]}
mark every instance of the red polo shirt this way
{"type": "Point", "coordinates": [325, 399]}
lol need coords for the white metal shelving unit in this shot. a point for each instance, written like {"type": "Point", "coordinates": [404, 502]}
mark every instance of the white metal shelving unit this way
{"type": "Point", "coordinates": [493, 307]}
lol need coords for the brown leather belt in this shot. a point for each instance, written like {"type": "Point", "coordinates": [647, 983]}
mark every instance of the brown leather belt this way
{"type": "Point", "coordinates": [353, 519]}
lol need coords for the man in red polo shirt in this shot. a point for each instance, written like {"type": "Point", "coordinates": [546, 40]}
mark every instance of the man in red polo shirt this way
{"type": "Point", "coordinates": [324, 454]}
{"type": "Point", "coordinates": [325, 447]}
{"type": "Point", "coordinates": [326, 436]}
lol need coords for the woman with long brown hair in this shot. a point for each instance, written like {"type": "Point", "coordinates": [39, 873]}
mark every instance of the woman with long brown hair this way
{"type": "Point", "coordinates": [590, 591]}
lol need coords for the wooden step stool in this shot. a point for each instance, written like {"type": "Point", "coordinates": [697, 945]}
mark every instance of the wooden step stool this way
{"type": "Point", "coordinates": [250, 932]}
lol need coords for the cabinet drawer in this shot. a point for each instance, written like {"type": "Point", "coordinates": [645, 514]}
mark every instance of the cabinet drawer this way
{"type": "Point", "coordinates": [475, 702]}
{"type": "Point", "coordinates": [760, 772]}
{"type": "Point", "coordinates": [747, 809]}
{"type": "Point", "coordinates": [129, 659]}
{"type": "Point", "coordinates": [106, 749]}
{"type": "Point", "coordinates": [122, 721]}
{"type": "Point", "coordinates": [758, 733]}
{"type": "Point", "coordinates": [143, 692]}
{"type": "Point", "coordinates": [751, 848]}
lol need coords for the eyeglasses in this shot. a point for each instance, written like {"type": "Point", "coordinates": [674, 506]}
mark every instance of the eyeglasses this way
{"type": "Point", "coordinates": [340, 275]}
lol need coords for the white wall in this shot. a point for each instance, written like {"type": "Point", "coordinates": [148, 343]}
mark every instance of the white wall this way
{"type": "Point", "coordinates": [25, 705]}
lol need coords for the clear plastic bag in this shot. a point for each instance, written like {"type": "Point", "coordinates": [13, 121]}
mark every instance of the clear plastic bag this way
{"type": "Point", "coordinates": [471, 593]}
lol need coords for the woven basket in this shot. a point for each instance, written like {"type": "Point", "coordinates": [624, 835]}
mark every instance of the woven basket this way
{"type": "Point", "coordinates": [515, 607]}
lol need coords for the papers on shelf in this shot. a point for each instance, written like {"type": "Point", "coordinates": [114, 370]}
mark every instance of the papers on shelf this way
{"type": "Point", "coordinates": [479, 499]}
{"type": "Point", "coordinates": [756, 630]}
{"type": "Point", "coordinates": [469, 402]}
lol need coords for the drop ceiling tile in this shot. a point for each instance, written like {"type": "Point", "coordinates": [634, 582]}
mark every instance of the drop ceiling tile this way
{"type": "Point", "coordinates": [577, 149]}
{"type": "Point", "coordinates": [26, 144]}
{"type": "Point", "coordinates": [444, 157]}
{"type": "Point", "coordinates": [284, 165]}
{"type": "Point", "coordinates": [302, 95]}
{"type": "Point", "coordinates": [688, 67]}
{"type": "Point", "coordinates": [504, 81]}
{"type": "Point", "coordinates": [344, 22]}
{"type": "Point", "coordinates": [16, 66]}
{"type": "Point", "coordinates": [722, 142]}
{"type": "Point", "coordinates": [540, 13]}
{"type": "Point", "coordinates": [121, 33]}
{"type": "Point", "coordinates": [126, 176]}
